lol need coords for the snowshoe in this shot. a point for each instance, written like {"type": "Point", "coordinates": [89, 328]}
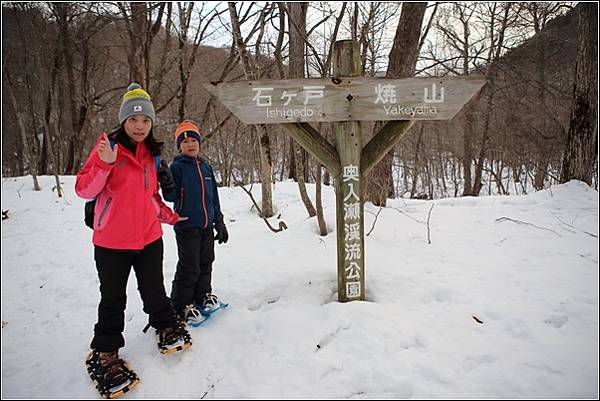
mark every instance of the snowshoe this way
{"type": "Point", "coordinates": [192, 316]}
{"type": "Point", "coordinates": [112, 375]}
{"type": "Point", "coordinates": [173, 339]}
{"type": "Point", "coordinates": [210, 304]}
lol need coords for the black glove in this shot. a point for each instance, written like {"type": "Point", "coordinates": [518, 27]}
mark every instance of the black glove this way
{"type": "Point", "coordinates": [222, 235]}
{"type": "Point", "coordinates": [165, 177]}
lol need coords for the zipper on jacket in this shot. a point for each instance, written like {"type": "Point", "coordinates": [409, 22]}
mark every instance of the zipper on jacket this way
{"type": "Point", "coordinates": [202, 183]}
{"type": "Point", "coordinates": [104, 211]}
{"type": "Point", "coordinates": [145, 176]}
{"type": "Point", "coordinates": [181, 199]}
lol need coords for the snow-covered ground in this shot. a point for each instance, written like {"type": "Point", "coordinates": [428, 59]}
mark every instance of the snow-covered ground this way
{"type": "Point", "coordinates": [525, 266]}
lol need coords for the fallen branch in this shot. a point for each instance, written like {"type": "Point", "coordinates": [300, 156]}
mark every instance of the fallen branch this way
{"type": "Point", "coordinates": [375, 221]}
{"type": "Point", "coordinates": [501, 219]}
{"type": "Point", "coordinates": [572, 226]}
{"type": "Point", "coordinates": [428, 218]}
{"type": "Point", "coordinates": [212, 386]}
{"type": "Point", "coordinates": [588, 258]}
{"type": "Point", "coordinates": [282, 225]}
{"type": "Point", "coordinates": [477, 319]}
{"type": "Point", "coordinates": [409, 216]}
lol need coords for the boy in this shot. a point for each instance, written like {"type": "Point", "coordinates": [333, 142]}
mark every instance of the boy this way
{"type": "Point", "coordinates": [190, 184]}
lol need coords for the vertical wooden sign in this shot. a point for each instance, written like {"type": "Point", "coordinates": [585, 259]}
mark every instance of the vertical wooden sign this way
{"type": "Point", "coordinates": [349, 186]}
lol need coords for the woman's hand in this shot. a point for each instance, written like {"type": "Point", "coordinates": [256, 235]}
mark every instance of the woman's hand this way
{"type": "Point", "coordinates": [106, 153]}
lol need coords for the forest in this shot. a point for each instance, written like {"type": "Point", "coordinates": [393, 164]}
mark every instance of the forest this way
{"type": "Point", "coordinates": [534, 124]}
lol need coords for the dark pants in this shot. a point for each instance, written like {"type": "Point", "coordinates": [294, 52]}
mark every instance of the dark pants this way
{"type": "Point", "coordinates": [196, 249]}
{"type": "Point", "coordinates": [114, 266]}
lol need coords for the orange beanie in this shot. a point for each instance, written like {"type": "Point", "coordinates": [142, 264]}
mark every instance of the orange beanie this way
{"type": "Point", "coordinates": [187, 129]}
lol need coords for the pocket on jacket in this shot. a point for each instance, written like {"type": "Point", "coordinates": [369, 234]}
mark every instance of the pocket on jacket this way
{"type": "Point", "coordinates": [103, 215]}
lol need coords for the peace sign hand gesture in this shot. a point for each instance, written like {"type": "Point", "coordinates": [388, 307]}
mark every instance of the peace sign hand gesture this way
{"type": "Point", "coordinates": [105, 152]}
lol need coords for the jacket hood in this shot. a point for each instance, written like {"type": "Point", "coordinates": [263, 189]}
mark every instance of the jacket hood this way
{"type": "Point", "coordinates": [183, 158]}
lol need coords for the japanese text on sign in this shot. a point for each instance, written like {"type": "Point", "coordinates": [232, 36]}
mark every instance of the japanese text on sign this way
{"type": "Point", "coordinates": [352, 235]}
{"type": "Point", "coordinates": [387, 97]}
{"type": "Point", "coordinates": [264, 98]}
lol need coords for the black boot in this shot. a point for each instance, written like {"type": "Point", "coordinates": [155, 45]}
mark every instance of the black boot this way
{"type": "Point", "coordinates": [109, 371]}
{"type": "Point", "coordinates": [173, 338]}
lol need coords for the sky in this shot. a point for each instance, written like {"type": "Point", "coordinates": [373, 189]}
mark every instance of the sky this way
{"type": "Point", "coordinates": [503, 303]}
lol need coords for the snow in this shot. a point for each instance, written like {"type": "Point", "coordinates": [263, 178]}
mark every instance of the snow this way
{"type": "Point", "coordinates": [526, 266]}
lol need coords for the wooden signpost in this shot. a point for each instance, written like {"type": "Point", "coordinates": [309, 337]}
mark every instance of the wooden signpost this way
{"type": "Point", "coordinates": [346, 100]}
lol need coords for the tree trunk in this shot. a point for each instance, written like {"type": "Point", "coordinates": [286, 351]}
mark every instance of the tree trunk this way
{"type": "Point", "coordinates": [137, 56]}
{"type": "Point", "coordinates": [319, 203]}
{"type": "Point", "coordinates": [28, 155]}
{"type": "Point", "coordinates": [482, 150]}
{"type": "Point", "coordinates": [413, 190]}
{"type": "Point", "coordinates": [327, 133]}
{"type": "Point", "coordinates": [182, 62]}
{"type": "Point", "coordinates": [582, 139]}
{"type": "Point", "coordinates": [265, 171]}
{"type": "Point", "coordinates": [467, 152]}
{"type": "Point", "coordinates": [292, 160]}
{"type": "Point", "coordinates": [300, 167]}
{"type": "Point", "coordinates": [61, 12]}
{"type": "Point", "coordinates": [297, 17]}
{"type": "Point", "coordinates": [541, 171]}
{"type": "Point", "coordinates": [403, 58]}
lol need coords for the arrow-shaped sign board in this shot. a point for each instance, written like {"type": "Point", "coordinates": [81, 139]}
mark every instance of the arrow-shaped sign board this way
{"type": "Point", "coordinates": [346, 99]}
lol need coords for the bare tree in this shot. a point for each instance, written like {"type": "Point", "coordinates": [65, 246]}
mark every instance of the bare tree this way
{"type": "Point", "coordinates": [403, 58]}
{"type": "Point", "coordinates": [68, 64]}
{"type": "Point", "coordinates": [297, 17]}
{"type": "Point", "coordinates": [261, 131]}
{"type": "Point", "coordinates": [499, 18]}
{"type": "Point", "coordinates": [29, 154]}
{"type": "Point", "coordinates": [368, 25]}
{"type": "Point", "coordinates": [76, 27]}
{"type": "Point", "coordinates": [141, 32]}
{"type": "Point", "coordinates": [186, 56]}
{"type": "Point", "coordinates": [299, 41]}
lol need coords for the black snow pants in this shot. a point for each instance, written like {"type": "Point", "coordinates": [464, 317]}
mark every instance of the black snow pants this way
{"type": "Point", "coordinates": [114, 266]}
{"type": "Point", "coordinates": [196, 250]}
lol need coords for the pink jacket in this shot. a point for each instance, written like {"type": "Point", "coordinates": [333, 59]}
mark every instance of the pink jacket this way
{"type": "Point", "coordinates": [129, 209]}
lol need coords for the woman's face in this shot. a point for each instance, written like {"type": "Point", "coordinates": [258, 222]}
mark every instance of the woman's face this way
{"type": "Point", "coordinates": [190, 147]}
{"type": "Point", "coordinates": [138, 127]}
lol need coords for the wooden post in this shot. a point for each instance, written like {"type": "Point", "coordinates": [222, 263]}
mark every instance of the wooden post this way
{"type": "Point", "coordinates": [348, 185]}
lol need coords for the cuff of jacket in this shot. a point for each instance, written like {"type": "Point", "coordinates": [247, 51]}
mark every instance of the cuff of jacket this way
{"type": "Point", "coordinates": [173, 219]}
{"type": "Point", "coordinates": [104, 165]}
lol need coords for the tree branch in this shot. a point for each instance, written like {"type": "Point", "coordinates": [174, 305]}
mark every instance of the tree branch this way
{"type": "Point", "coordinates": [282, 225]}
{"type": "Point", "coordinates": [501, 219]}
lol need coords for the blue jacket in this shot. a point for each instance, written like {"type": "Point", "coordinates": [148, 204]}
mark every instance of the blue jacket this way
{"type": "Point", "coordinates": [195, 193]}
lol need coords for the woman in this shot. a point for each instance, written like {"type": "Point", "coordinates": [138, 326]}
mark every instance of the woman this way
{"type": "Point", "coordinates": [121, 174]}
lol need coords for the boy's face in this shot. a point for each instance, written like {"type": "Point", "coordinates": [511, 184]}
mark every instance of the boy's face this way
{"type": "Point", "coordinates": [190, 147]}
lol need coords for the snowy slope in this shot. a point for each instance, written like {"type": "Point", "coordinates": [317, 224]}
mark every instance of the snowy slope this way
{"type": "Point", "coordinates": [527, 267]}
